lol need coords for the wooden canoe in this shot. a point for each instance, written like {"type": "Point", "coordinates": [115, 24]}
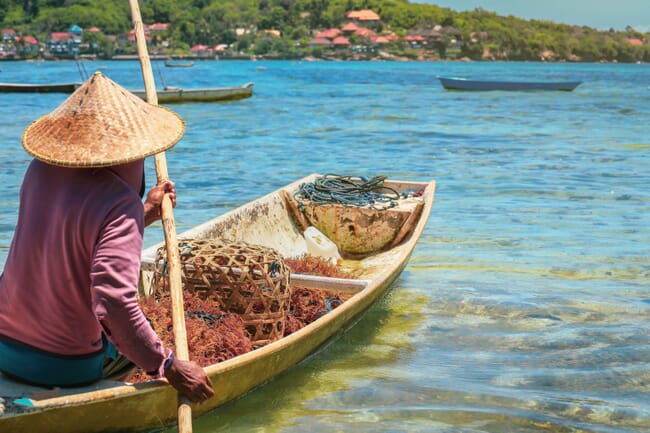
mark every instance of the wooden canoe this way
{"type": "Point", "coordinates": [172, 95]}
{"type": "Point", "coordinates": [38, 88]}
{"type": "Point", "coordinates": [452, 83]}
{"type": "Point", "coordinates": [173, 64]}
{"type": "Point", "coordinates": [270, 222]}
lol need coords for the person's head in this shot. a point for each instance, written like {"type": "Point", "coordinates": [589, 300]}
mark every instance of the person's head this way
{"type": "Point", "coordinates": [100, 125]}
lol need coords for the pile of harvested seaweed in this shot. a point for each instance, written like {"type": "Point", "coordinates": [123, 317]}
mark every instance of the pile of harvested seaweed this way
{"type": "Point", "coordinates": [214, 335]}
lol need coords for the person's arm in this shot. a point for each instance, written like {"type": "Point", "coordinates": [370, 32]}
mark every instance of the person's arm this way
{"type": "Point", "coordinates": [152, 205]}
{"type": "Point", "coordinates": [189, 379]}
{"type": "Point", "coordinates": [114, 279]}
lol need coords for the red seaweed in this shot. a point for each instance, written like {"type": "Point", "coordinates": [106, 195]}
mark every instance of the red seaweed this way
{"type": "Point", "coordinates": [214, 335]}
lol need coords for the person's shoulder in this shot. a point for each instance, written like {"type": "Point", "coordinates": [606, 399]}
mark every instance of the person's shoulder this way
{"type": "Point", "coordinates": [114, 194]}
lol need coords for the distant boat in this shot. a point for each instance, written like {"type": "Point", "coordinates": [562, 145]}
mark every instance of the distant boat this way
{"type": "Point", "coordinates": [465, 84]}
{"type": "Point", "coordinates": [38, 88]}
{"type": "Point", "coordinates": [171, 95]}
{"type": "Point", "coordinates": [173, 64]}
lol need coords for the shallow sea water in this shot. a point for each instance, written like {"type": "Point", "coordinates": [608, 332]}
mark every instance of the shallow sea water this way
{"type": "Point", "coordinates": [526, 304]}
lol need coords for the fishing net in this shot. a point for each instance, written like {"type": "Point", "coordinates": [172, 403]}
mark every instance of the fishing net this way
{"type": "Point", "coordinates": [249, 280]}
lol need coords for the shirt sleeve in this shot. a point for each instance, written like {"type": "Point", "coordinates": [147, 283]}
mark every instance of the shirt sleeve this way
{"type": "Point", "coordinates": [114, 279]}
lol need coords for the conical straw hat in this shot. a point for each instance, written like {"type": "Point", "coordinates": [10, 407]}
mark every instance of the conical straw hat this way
{"type": "Point", "coordinates": [102, 124]}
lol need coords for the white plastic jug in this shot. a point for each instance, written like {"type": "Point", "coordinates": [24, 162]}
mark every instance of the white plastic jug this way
{"type": "Point", "coordinates": [320, 246]}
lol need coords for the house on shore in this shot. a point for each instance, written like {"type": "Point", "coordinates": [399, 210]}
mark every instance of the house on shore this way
{"type": "Point", "coordinates": [65, 44]}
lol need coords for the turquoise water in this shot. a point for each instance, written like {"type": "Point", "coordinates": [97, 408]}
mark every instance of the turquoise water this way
{"type": "Point", "coordinates": [526, 305]}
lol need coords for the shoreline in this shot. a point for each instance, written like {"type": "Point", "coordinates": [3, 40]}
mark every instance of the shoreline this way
{"type": "Point", "coordinates": [380, 57]}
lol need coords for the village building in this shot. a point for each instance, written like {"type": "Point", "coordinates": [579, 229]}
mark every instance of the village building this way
{"type": "Point", "coordinates": [341, 42]}
{"type": "Point", "coordinates": [65, 44]}
{"type": "Point", "coordinates": [26, 46]}
{"type": "Point", "coordinates": [159, 27]}
{"type": "Point", "coordinates": [329, 33]}
{"type": "Point", "coordinates": [320, 42]}
{"type": "Point", "coordinates": [200, 50]}
{"type": "Point", "coordinates": [8, 35]}
{"type": "Point", "coordinates": [349, 28]}
{"type": "Point", "coordinates": [365, 16]}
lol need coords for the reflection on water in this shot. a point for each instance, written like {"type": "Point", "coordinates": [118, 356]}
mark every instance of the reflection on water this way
{"type": "Point", "coordinates": [525, 306]}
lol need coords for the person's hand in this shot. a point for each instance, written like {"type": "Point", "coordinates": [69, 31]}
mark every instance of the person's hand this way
{"type": "Point", "coordinates": [152, 205]}
{"type": "Point", "coordinates": [190, 380]}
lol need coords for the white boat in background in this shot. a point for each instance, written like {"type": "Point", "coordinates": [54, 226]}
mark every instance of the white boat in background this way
{"type": "Point", "coordinates": [172, 95]}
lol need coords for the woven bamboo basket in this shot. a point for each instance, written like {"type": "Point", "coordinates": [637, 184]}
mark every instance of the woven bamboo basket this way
{"type": "Point", "coordinates": [248, 280]}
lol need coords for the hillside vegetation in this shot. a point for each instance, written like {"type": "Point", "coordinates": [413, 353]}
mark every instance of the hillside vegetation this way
{"type": "Point", "coordinates": [476, 34]}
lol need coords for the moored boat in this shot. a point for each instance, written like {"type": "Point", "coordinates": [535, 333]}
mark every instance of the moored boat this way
{"type": "Point", "coordinates": [169, 95]}
{"type": "Point", "coordinates": [175, 64]}
{"type": "Point", "coordinates": [38, 88]}
{"type": "Point", "coordinates": [454, 83]}
{"type": "Point", "coordinates": [272, 221]}
{"type": "Point", "coordinates": [174, 95]}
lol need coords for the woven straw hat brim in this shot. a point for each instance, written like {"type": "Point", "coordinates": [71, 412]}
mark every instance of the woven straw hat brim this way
{"type": "Point", "coordinates": [102, 124]}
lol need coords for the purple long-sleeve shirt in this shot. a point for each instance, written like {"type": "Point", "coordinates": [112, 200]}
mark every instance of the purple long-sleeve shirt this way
{"type": "Point", "coordinates": [73, 267]}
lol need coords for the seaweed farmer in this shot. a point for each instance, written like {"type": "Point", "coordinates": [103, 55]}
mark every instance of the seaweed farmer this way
{"type": "Point", "coordinates": [69, 313]}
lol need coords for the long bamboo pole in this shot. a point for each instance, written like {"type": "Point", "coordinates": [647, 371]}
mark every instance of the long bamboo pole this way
{"type": "Point", "coordinates": [169, 226]}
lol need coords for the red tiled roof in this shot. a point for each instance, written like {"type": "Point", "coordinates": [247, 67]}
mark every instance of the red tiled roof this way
{"type": "Point", "coordinates": [341, 40]}
{"type": "Point", "coordinates": [199, 47]}
{"type": "Point", "coordinates": [59, 36]}
{"type": "Point", "coordinates": [8, 32]}
{"type": "Point", "coordinates": [365, 33]}
{"type": "Point", "coordinates": [635, 42]}
{"type": "Point", "coordinates": [31, 40]}
{"type": "Point", "coordinates": [380, 40]}
{"type": "Point", "coordinates": [160, 27]}
{"type": "Point", "coordinates": [363, 15]}
{"type": "Point", "coordinates": [329, 33]}
{"type": "Point", "coordinates": [94, 30]}
{"type": "Point", "coordinates": [417, 38]}
{"type": "Point", "coordinates": [350, 27]}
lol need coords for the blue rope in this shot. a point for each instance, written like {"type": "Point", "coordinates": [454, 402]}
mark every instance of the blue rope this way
{"type": "Point", "coordinates": [330, 304]}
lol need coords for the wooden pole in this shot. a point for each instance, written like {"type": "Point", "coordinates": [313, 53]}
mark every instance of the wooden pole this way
{"type": "Point", "coordinates": [169, 226]}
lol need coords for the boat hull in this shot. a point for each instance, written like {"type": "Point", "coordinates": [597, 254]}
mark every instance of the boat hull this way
{"type": "Point", "coordinates": [167, 96]}
{"type": "Point", "coordinates": [115, 406]}
{"type": "Point", "coordinates": [175, 96]}
{"type": "Point", "coordinates": [38, 88]}
{"type": "Point", "coordinates": [179, 65]}
{"type": "Point", "coordinates": [464, 84]}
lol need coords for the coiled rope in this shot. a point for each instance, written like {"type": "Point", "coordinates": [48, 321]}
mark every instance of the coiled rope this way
{"type": "Point", "coordinates": [346, 190]}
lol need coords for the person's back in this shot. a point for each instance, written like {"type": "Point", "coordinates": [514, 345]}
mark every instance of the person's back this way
{"type": "Point", "coordinates": [62, 214]}
{"type": "Point", "coordinates": [69, 313]}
